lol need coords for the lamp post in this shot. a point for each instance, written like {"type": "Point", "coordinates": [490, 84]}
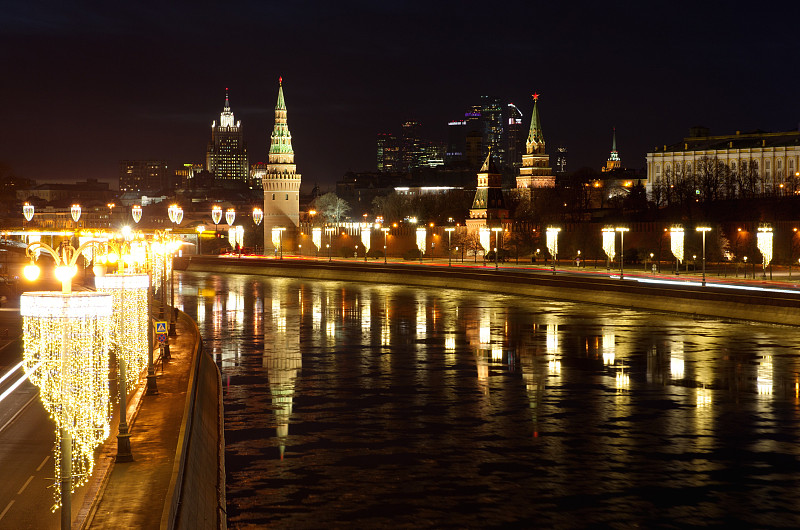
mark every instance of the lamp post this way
{"type": "Point", "coordinates": [385, 231]}
{"type": "Point", "coordinates": [176, 216]}
{"type": "Point", "coordinates": [330, 230]}
{"type": "Point", "coordinates": [71, 374]}
{"type": "Point", "coordinates": [200, 229]}
{"type": "Point", "coordinates": [703, 230]}
{"type": "Point", "coordinates": [497, 240]}
{"type": "Point", "coordinates": [622, 230]}
{"type": "Point", "coordinates": [449, 231]}
{"type": "Point", "coordinates": [764, 241]}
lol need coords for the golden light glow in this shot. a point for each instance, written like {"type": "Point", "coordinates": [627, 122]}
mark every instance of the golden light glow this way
{"type": "Point", "coordinates": [65, 351]}
{"type": "Point", "coordinates": [676, 242]}
{"type": "Point", "coordinates": [764, 242]}
{"type": "Point", "coordinates": [316, 236]}
{"type": "Point", "coordinates": [485, 237]}
{"type": "Point", "coordinates": [552, 240]}
{"type": "Point", "coordinates": [421, 239]}
{"type": "Point", "coordinates": [31, 272]}
{"type": "Point", "coordinates": [609, 243]}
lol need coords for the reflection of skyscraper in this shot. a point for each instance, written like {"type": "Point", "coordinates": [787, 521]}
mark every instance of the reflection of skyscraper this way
{"type": "Point", "coordinates": [226, 156]}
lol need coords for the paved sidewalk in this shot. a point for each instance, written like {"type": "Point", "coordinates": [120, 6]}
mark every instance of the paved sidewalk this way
{"type": "Point", "coordinates": [133, 494]}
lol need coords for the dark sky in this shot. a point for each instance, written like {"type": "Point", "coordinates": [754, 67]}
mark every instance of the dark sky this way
{"type": "Point", "coordinates": [86, 84]}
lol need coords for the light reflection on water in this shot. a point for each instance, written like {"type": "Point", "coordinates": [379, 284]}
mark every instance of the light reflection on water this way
{"type": "Point", "coordinates": [384, 406]}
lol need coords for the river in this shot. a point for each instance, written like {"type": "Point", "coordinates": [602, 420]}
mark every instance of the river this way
{"type": "Point", "coordinates": [354, 405]}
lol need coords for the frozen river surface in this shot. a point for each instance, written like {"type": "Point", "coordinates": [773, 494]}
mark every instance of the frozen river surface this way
{"type": "Point", "coordinates": [368, 406]}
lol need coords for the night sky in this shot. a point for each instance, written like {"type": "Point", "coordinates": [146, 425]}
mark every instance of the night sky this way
{"type": "Point", "coordinates": [85, 85]}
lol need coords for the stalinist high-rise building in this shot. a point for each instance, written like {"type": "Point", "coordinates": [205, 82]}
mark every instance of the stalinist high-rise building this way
{"type": "Point", "coordinates": [535, 171]}
{"type": "Point", "coordinates": [281, 182]}
{"type": "Point", "coordinates": [226, 156]}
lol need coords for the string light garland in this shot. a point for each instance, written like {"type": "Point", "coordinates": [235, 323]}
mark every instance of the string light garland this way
{"type": "Point", "coordinates": [552, 240]}
{"type": "Point", "coordinates": [316, 236]}
{"type": "Point", "coordinates": [366, 237]}
{"type": "Point", "coordinates": [485, 237]}
{"type": "Point", "coordinates": [421, 239]}
{"type": "Point", "coordinates": [65, 354]}
{"type": "Point", "coordinates": [609, 243]}
{"type": "Point", "coordinates": [676, 242]}
{"type": "Point", "coordinates": [129, 321]}
{"type": "Point", "coordinates": [764, 242]}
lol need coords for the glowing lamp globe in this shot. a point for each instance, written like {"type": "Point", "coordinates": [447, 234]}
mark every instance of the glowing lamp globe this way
{"type": "Point", "coordinates": [230, 216]}
{"type": "Point", "coordinates": [136, 213]}
{"type": "Point", "coordinates": [178, 215]}
{"type": "Point", "coordinates": [27, 211]}
{"type": "Point", "coordinates": [258, 215]}
{"type": "Point", "coordinates": [31, 272]}
{"type": "Point", "coordinates": [75, 211]}
{"type": "Point", "coordinates": [216, 214]}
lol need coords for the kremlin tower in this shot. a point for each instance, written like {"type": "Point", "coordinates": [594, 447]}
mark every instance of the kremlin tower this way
{"type": "Point", "coordinates": [535, 171]}
{"type": "Point", "coordinates": [488, 206]}
{"type": "Point", "coordinates": [613, 161]}
{"type": "Point", "coordinates": [281, 183]}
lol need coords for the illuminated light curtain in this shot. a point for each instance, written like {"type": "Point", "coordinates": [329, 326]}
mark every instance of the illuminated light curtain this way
{"type": "Point", "coordinates": [552, 241]}
{"type": "Point", "coordinates": [365, 238]}
{"type": "Point", "coordinates": [485, 238]}
{"type": "Point", "coordinates": [676, 242]}
{"type": "Point", "coordinates": [609, 243]}
{"type": "Point", "coordinates": [421, 239]}
{"type": "Point", "coordinates": [240, 235]}
{"type": "Point", "coordinates": [764, 242]}
{"type": "Point", "coordinates": [276, 238]}
{"type": "Point", "coordinates": [232, 236]}
{"type": "Point", "coordinates": [65, 354]}
{"type": "Point", "coordinates": [129, 321]}
{"type": "Point", "coordinates": [316, 237]}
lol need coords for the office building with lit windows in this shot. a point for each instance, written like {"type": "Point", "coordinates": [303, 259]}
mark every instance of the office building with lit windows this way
{"type": "Point", "coordinates": [143, 175]}
{"type": "Point", "coordinates": [226, 156]}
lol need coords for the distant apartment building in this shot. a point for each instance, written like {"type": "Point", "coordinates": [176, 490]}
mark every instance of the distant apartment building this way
{"type": "Point", "coordinates": [143, 175]}
{"type": "Point", "coordinates": [83, 192]}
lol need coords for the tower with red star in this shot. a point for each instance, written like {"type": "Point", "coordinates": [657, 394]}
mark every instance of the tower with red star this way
{"type": "Point", "coordinates": [535, 171]}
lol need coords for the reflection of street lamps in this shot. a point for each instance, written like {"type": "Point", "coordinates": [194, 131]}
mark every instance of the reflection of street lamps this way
{"type": "Point", "coordinates": [622, 230]}
{"type": "Point", "coordinates": [385, 231]}
{"type": "Point", "coordinates": [449, 231]}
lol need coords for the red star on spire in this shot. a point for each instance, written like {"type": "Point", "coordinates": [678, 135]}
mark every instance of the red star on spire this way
{"type": "Point", "coordinates": [280, 80]}
{"type": "Point", "coordinates": [535, 96]}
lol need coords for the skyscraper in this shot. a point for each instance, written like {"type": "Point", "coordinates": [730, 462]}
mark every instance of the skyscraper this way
{"type": "Point", "coordinates": [411, 146]}
{"type": "Point", "coordinates": [388, 153]}
{"type": "Point", "coordinates": [226, 156]}
{"type": "Point", "coordinates": [535, 171]}
{"type": "Point", "coordinates": [281, 181]}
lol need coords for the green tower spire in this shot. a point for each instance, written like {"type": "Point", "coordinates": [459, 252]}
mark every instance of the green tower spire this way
{"type": "Point", "coordinates": [535, 135]}
{"type": "Point", "coordinates": [281, 138]}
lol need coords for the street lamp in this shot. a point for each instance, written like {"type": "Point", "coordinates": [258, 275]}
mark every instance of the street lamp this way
{"type": "Point", "coordinates": [385, 231]}
{"type": "Point", "coordinates": [330, 230]}
{"type": "Point", "coordinates": [258, 215]}
{"type": "Point", "coordinates": [552, 244]}
{"type": "Point", "coordinates": [216, 216]}
{"type": "Point", "coordinates": [449, 231]}
{"type": "Point", "coordinates": [704, 229]}
{"type": "Point", "coordinates": [496, 230]}
{"type": "Point", "coordinates": [65, 354]}
{"type": "Point", "coordinates": [622, 230]}
{"type": "Point", "coordinates": [200, 229]}
{"type": "Point", "coordinates": [230, 216]}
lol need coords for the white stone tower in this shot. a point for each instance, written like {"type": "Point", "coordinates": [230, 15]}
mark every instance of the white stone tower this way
{"type": "Point", "coordinates": [281, 183]}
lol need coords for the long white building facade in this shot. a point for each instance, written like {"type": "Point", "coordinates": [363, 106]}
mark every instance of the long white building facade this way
{"type": "Point", "coordinates": [773, 157]}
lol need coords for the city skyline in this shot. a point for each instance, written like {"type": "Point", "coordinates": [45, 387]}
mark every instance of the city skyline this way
{"type": "Point", "coordinates": [93, 87]}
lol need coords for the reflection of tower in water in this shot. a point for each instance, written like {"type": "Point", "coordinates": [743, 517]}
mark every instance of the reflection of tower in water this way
{"type": "Point", "coordinates": [283, 361]}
